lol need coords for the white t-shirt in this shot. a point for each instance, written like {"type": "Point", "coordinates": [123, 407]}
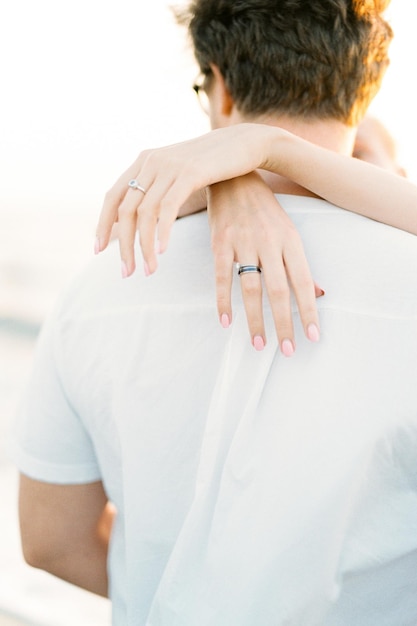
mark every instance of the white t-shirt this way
{"type": "Point", "coordinates": [251, 489]}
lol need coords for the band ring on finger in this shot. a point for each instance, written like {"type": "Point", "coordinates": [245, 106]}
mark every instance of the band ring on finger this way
{"type": "Point", "coordinates": [133, 184]}
{"type": "Point", "coordinates": [248, 269]}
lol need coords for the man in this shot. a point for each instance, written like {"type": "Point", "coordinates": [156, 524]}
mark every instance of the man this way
{"type": "Point", "coordinates": [249, 489]}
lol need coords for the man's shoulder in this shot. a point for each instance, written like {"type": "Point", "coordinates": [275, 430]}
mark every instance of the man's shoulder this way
{"type": "Point", "coordinates": [361, 263]}
{"type": "Point", "coordinates": [184, 275]}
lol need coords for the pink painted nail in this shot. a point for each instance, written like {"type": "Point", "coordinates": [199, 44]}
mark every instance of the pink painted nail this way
{"type": "Point", "coordinates": [258, 343]}
{"type": "Point", "coordinates": [318, 291]}
{"type": "Point", "coordinates": [287, 347]}
{"type": "Point", "coordinates": [146, 269]}
{"type": "Point", "coordinates": [313, 332]}
{"type": "Point", "coordinates": [125, 273]}
{"type": "Point", "coordinates": [97, 246]}
{"type": "Point", "coordinates": [224, 320]}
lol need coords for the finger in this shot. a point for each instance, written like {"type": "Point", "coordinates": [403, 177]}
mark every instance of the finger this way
{"type": "Point", "coordinates": [251, 286]}
{"type": "Point", "coordinates": [108, 216]}
{"type": "Point", "coordinates": [169, 208]}
{"type": "Point", "coordinates": [127, 230]}
{"type": "Point", "coordinates": [223, 262]}
{"type": "Point", "coordinates": [174, 192]}
{"type": "Point", "coordinates": [158, 212]}
{"type": "Point", "coordinates": [305, 290]}
{"type": "Point", "coordinates": [279, 295]}
{"type": "Point", "coordinates": [318, 291]}
{"type": "Point", "coordinates": [147, 221]}
{"type": "Point", "coordinates": [112, 201]}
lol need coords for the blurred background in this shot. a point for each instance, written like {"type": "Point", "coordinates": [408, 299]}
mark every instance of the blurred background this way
{"type": "Point", "coordinates": [85, 86]}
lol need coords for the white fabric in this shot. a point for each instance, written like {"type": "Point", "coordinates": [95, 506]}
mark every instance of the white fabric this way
{"type": "Point", "coordinates": [252, 489]}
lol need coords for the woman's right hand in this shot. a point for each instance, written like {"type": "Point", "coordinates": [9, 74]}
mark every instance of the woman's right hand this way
{"type": "Point", "coordinates": [166, 179]}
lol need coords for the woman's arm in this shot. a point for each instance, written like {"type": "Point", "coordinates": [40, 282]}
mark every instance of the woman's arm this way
{"type": "Point", "coordinates": [276, 246]}
{"type": "Point", "coordinates": [171, 174]}
{"type": "Point", "coordinates": [349, 183]}
{"type": "Point", "coordinates": [176, 176]}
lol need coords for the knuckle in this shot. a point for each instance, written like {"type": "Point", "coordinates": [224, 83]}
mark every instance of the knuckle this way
{"type": "Point", "coordinates": [251, 288]}
{"type": "Point", "coordinates": [168, 207]}
{"type": "Point", "coordinates": [146, 218]}
{"type": "Point", "coordinates": [150, 157]}
{"type": "Point", "coordinates": [219, 239]}
{"type": "Point", "coordinates": [144, 155]}
{"type": "Point", "coordinates": [279, 292]}
{"type": "Point", "coordinates": [126, 210]}
{"type": "Point", "coordinates": [223, 255]}
{"type": "Point", "coordinates": [225, 232]}
{"type": "Point", "coordinates": [222, 280]}
{"type": "Point", "coordinates": [304, 283]}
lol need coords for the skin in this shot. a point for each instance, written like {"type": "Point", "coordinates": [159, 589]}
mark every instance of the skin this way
{"type": "Point", "coordinates": [65, 531]}
{"type": "Point", "coordinates": [258, 231]}
{"type": "Point", "coordinates": [65, 528]}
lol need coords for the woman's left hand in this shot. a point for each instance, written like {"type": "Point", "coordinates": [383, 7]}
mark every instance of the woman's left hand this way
{"type": "Point", "coordinates": [249, 226]}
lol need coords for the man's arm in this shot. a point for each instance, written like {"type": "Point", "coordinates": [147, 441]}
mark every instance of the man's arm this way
{"type": "Point", "coordinates": [65, 531]}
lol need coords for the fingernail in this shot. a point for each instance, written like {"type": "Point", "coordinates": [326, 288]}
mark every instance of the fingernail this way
{"type": "Point", "coordinates": [258, 343]}
{"type": "Point", "coordinates": [313, 332]}
{"type": "Point", "coordinates": [225, 321]}
{"type": "Point", "coordinates": [146, 269]}
{"type": "Point", "coordinates": [319, 292]}
{"type": "Point", "coordinates": [287, 347]}
{"type": "Point", "coordinates": [125, 273]}
{"type": "Point", "coordinates": [97, 246]}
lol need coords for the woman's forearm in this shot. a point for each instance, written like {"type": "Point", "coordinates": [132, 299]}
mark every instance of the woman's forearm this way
{"type": "Point", "coordinates": [175, 175]}
{"type": "Point", "coordinates": [347, 182]}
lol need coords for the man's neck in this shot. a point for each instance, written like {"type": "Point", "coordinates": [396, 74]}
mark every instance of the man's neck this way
{"type": "Point", "coordinates": [329, 134]}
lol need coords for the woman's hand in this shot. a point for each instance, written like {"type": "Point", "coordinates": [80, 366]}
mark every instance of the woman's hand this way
{"type": "Point", "coordinates": [248, 226]}
{"type": "Point", "coordinates": [168, 177]}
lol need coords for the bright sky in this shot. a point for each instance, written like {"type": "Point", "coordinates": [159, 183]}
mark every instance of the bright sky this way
{"type": "Point", "coordinates": [86, 85]}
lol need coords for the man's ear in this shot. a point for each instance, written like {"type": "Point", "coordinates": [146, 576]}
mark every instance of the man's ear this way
{"type": "Point", "coordinates": [225, 101]}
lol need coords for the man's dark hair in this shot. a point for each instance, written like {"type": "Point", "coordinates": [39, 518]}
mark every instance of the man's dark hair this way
{"type": "Point", "coordinates": [311, 58]}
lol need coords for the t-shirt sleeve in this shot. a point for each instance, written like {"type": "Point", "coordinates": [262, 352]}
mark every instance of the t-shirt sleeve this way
{"type": "Point", "coordinates": [48, 441]}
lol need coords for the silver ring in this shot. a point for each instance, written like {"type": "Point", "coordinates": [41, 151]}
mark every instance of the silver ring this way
{"type": "Point", "coordinates": [248, 269]}
{"type": "Point", "coordinates": [133, 184]}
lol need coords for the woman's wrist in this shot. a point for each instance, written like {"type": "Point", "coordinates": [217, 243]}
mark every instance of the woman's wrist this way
{"type": "Point", "coordinates": [277, 149]}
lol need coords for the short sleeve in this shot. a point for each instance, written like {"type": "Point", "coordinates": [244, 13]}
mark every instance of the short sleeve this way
{"type": "Point", "coordinates": [48, 441]}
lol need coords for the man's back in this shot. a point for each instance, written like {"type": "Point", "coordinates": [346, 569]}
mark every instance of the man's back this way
{"type": "Point", "coordinates": [251, 489]}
